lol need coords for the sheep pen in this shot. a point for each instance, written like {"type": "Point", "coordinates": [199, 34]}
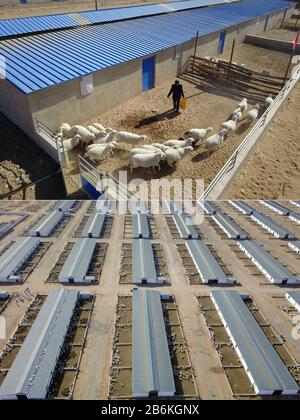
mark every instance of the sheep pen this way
{"type": "Point", "coordinates": [150, 114]}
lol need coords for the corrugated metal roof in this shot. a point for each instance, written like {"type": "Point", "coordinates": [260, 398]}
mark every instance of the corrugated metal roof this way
{"type": "Point", "coordinates": [271, 226]}
{"type": "Point", "coordinates": [140, 226]}
{"type": "Point", "coordinates": [209, 207]}
{"type": "Point", "coordinates": [40, 61]}
{"type": "Point", "coordinates": [32, 370]}
{"type": "Point", "coordinates": [143, 264]}
{"type": "Point", "coordinates": [262, 363]}
{"type": "Point", "coordinates": [77, 264]}
{"type": "Point", "coordinates": [15, 256]}
{"type": "Point", "coordinates": [294, 298]}
{"type": "Point", "coordinates": [295, 217]}
{"type": "Point", "coordinates": [26, 25]}
{"type": "Point", "coordinates": [94, 225]}
{"type": "Point", "coordinates": [295, 203]}
{"type": "Point", "coordinates": [295, 246]}
{"type": "Point", "coordinates": [229, 226]}
{"type": "Point", "coordinates": [267, 264]}
{"type": "Point", "coordinates": [151, 364]}
{"type": "Point", "coordinates": [206, 264]}
{"type": "Point", "coordinates": [185, 227]}
{"type": "Point", "coordinates": [45, 226]}
{"type": "Point", "coordinates": [278, 208]}
{"type": "Point", "coordinates": [242, 207]}
{"type": "Point", "coordinates": [65, 205]}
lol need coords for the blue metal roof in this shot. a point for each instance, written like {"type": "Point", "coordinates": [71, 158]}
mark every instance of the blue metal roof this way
{"type": "Point", "coordinates": [21, 26]}
{"type": "Point", "coordinates": [40, 61]}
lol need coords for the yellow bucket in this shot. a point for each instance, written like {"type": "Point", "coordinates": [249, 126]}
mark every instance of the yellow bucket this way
{"type": "Point", "coordinates": [183, 103]}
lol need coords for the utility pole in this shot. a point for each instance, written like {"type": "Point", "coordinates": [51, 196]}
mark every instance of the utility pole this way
{"type": "Point", "coordinates": [96, 4]}
{"type": "Point", "coordinates": [231, 59]}
{"type": "Point", "coordinates": [195, 50]}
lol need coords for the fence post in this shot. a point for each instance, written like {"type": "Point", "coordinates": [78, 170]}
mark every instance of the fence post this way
{"type": "Point", "coordinates": [195, 51]}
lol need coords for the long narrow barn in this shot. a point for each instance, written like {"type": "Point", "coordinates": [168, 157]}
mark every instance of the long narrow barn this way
{"type": "Point", "coordinates": [45, 226]}
{"type": "Point", "coordinates": [14, 257]}
{"type": "Point", "coordinates": [67, 68]}
{"type": "Point", "coordinates": [265, 369]}
{"type": "Point", "coordinates": [32, 371]}
{"type": "Point", "coordinates": [273, 269]}
{"type": "Point", "coordinates": [152, 373]}
{"type": "Point", "coordinates": [75, 269]}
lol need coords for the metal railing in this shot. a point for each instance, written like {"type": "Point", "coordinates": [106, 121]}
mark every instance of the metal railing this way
{"type": "Point", "coordinates": [96, 179]}
{"type": "Point", "coordinates": [211, 193]}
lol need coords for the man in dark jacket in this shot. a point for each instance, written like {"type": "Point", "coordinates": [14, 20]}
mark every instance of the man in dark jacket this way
{"type": "Point", "coordinates": [177, 92]}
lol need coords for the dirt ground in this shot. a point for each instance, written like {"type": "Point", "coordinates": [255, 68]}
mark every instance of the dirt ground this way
{"type": "Point", "coordinates": [208, 106]}
{"type": "Point", "coordinates": [22, 161]}
{"type": "Point", "coordinates": [273, 171]}
{"type": "Point", "coordinates": [64, 7]}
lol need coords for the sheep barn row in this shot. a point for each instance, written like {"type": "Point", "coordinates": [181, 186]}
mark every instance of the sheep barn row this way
{"type": "Point", "coordinates": [69, 67]}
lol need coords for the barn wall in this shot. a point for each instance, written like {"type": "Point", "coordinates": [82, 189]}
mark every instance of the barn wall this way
{"type": "Point", "coordinates": [14, 104]}
{"type": "Point", "coordinates": [113, 86]}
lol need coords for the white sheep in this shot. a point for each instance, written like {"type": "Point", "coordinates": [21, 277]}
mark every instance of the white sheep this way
{"type": "Point", "coordinates": [99, 127]}
{"type": "Point", "coordinates": [130, 138]}
{"type": "Point", "coordinates": [71, 143]}
{"type": "Point", "coordinates": [230, 125]}
{"type": "Point", "coordinates": [152, 148]}
{"type": "Point", "coordinates": [253, 114]}
{"type": "Point", "coordinates": [148, 160]}
{"type": "Point", "coordinates": [98, 145]}
{"type": "Point", "coordinates": [197, 133]}
{"type": "Point", "coordinates": [106, 139]}
{"type": "Point", "coordinates": [179, 143]}
{"type": "Point", "coordinates": [214, 141]}
{"type": "Point", "coordinates": [269, 101]}
{"type": "Point", "coordinates": [161, 147]}
{"type": "Point", "coordinates": [243, 105]}
{"type": "Point", "coordinates": [93, 130]}
{"type": "Point", "coordinates": [175, 155]}
{"type": "Point", "coordinates": [238, 112]}
{"type": "Point", "coordinates": [85, 134]}
{"type": "Point", "coordinates": [65, 130]}
{"type": "Point", "coordinates": [98, 153]}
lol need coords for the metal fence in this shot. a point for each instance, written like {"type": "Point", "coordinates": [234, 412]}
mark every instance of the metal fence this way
{"type": "Point", "coordinates": [223, 178]}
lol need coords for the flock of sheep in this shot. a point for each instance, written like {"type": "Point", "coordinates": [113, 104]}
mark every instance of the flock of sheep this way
{"type": "Point", "coordinates": [100, 142]}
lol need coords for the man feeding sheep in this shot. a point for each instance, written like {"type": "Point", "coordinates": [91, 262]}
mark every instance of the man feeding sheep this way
{"type": "Point", "coordinates": [177, 92]}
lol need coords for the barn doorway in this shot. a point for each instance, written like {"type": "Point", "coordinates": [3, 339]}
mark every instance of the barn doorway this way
{"type": "Point", "coordinates": [148, 73]}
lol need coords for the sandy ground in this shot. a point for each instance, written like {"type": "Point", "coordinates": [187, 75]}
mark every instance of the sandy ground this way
{"type": "Point", "coordinates": [211, 382]}
{"type": "Point", "coordinates": [22, 161]}
{"type": "Point", "coordinates": [64, 7]}
{"type": "Point", "coordinates": [208, 105]}
{"type": "Point", "coordinates": [273, 170]}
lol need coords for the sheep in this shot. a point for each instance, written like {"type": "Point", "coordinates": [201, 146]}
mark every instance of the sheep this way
{"type": "Point", "coordinates": [238, 112]}
{"type": "Point", "coordinates": [98, 153]}
{"type": "Point", "coordinates": [180, 143]}
{"type": "Point", "coordinates": [253, 114]}
{"type": "Point", "coordinates": [230, 126]}
{"type": "Point", "coordinates": [151, 148]}
{"type": "Point", "coordinates": [175, 155]}
{"type": "Point", "coordinates": [71, 143]}
{"type": "Point", "coordinates": [93, 130]}
{"type": "Point", "coordinates": [269, 101]}
{"type": "Point", "coordinates": [130, 138]}
{"type": "Point", "coordinates": [99, 127]}
{"type": "Point", "coordinates": [197, 133]}
{"type": "Point", "coordinates": [160, 146]}
{"type": "Point", "coordinates": [85, 134]}
{"type": "Point", "coordinates": [243, 105]}
{"type": "Point", "coordinates": [148, 160]}
{"type": "Point", "coordinates": [97, 145]}
{"type": "Point", "coordinates": [140, 151]}
{"type": "Point", "coordinates": [107, 139]}
{"type": "Point", "coordinates": [65, 130]}
{"type": "Point", "coordinates": [213, 141]}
